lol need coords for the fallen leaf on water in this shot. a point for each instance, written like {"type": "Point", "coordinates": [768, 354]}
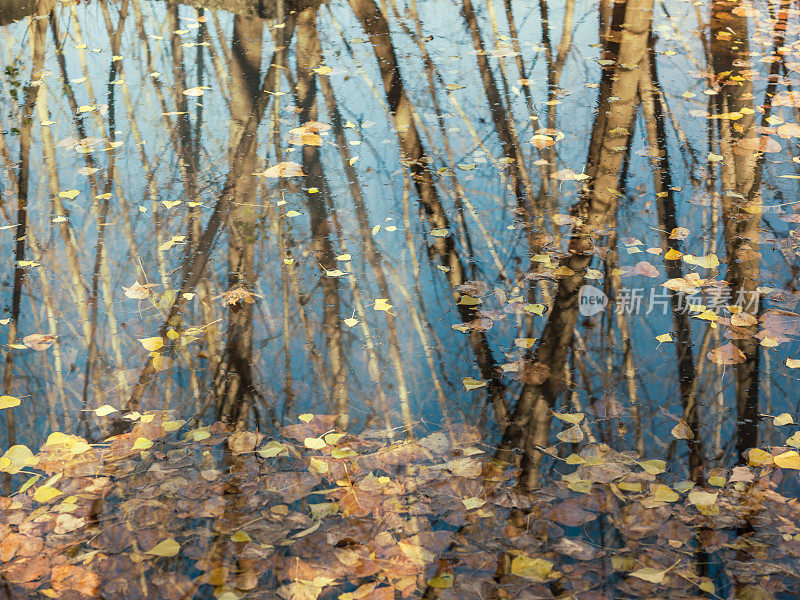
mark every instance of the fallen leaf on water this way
{"type": "Point", "coordinates": [783, 419]}
{"type": "Point", "coordinates": [168, 547]}
{"type": "Point", "coordinates": [8, 402]}
{"type": "Point", "coordinates": [283, 169]}
{"type": "Point", "coordinates": [137, 291]}
{"type": "Point", "coordinates": [538, 569]}
{"type": "Point", "coordinates": [105, 410]}
{"type": "Point", "coordinates": [39, 341]}
{"type": "Point", "coordinates": [470, 383]}
{"type": "Point", "coordinates": [726, 355]}
{"type": "Point", "coordinates": [382, 304]}
{"type": "Point", "coordinates": [788, 460]}
{"type": "Point", "coordinates": [649, 574]}
{"type": "Point", "coordinates": [151, 344]}
{"type": "Point", "coordinates": [572, 435]}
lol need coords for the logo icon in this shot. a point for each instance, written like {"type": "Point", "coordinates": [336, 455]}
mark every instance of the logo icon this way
{"type": "Point", "coordinates": [591, 300]}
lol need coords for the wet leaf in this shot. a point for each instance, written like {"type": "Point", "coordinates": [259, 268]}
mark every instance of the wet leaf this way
{"type": "Point", "coordinates": [168, 547]}
{"type": "Point", "coordinates": [39, 341]}
{"type": "Point", "coordinates": [537, 569]}
{"type": "Point", "coordinates": [726, 355]}
{"type": "Point", "coordinates": [283, 169]}
{"type": "Point", "coordinates": [470, 383]}
{"type": "Point", "coordinates": [151, 344]}
{"type": "Point", "coordinates": [8, 402]}
{"type": "Point", "coordinates": [788, 460]}
{"type": "Point", "coordinates": [649, 574]}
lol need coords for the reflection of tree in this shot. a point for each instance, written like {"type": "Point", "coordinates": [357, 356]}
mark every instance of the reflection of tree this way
{"type": "Point", "coordinates": [236, 385]}
{"type": "Point", "coordinates": [530, 425]}
{"type": "Point", "coordinates": [443, 249]}
{"type": "Point", "coordinates": [654, 119]}
{"type": "Point", "coordinates": [38, 32]}
{"type": "Point", "coordinates": [741, 199]}
{"type": "Point", "coordinates": [309, 57]}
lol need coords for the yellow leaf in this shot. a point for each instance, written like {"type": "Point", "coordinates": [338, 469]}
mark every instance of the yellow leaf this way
{"type": "Point", "coordinates": [648, 574]}
{"type": "Point", "coordinates": [441, 581]}
{"type": "Point", "coordinates": [440, 233]}
{"type": "Point", "coordinates": [793, 363]}
{"type": "Point", "coordinates": [46, 493]}
{"type": "Point", "coordinates": [105, 410]}
{"type": "Point", "coordinates": [8, 402]}
{"type": "Point", "coordinates": [314, 443]}
{"type": "Point", "coordinates": [474, 502]}
{"type": "Point", "coordinates": [783, 419]}
{"type": "Point", "coordinates": [673, 254]}
{"type": "Point", "coordinates": [198, 435]}
{"type": "Point", "coordinates": [382, 304]}
{"type": "Point", "coordinates": [172, 425]}
{"type": "Point", "coordinates": [324, 70]}
{"type": "Point", "coordinates": [151, 344]}
{"type": "Point", "coordinates": [470, 383]}
{"type": "Point", "coordinates": [788, 460]}
{"type": "Point", "coordinates": [759, 458]}
{"type": "Point", "coordinates": [271, 449]}
{"type": "Point", "coordinates": [142, 444]}
{"type": "Point", "coordinates": [664, 338]}
{"type": "Point", "coordinates": [537, 569]}
{"type": "Point", "coordinates": [701, 498]}
{"type": "Point", "coordinates": [654, 466]}
{"type": "Point", "coordinates": [69, 194]}
{"type": "Point", "coordinates": [343, 453]}
{"type": "Point", "coordinates": [333, 438]}
{"type": "Point", "coordinates": [241, 536]}
{"type": "Point", "coordinates": [573, 418]}
{"type": "Point", "coordinates": [167, 547]}
{"type": "Point", "coordinates": [536, 309]}
{"type": "Point", "coordinates": [664, 493]}
{"type": "Point", "coordinates": [306, 417]}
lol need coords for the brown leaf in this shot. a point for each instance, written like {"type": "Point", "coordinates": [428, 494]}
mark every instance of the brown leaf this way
{"type": "Point", "coordinates": [39, 341]}
{"type": "Point", "coordinates": [726, 355]}
{"type": "Point", "coordinates": [569, 513]}
{"type": "Point", "coordinates": [283, 169]}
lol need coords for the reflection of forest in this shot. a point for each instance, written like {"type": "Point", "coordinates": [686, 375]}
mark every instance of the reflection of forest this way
{"type": "Point", "coordinates": [265, 295]}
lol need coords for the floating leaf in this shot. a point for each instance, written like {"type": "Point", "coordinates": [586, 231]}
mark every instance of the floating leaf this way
{"type": "Point", "coordinates": [39, 341]}
{"type": "Point", "coordinates": [46, 493]}
{"type": "Point", "coordinates": [783, 419]}
{"type": "Point", "coordinates": [470, 383]}
{"type": "Point", "coordinates": [649, 574]}
{"type": "Point", "coordinates": [314, 443]}
{"type": "Point", "coordinates": [726, 355]}
{"type": "Point", "coordinates": [382, 304]}
{"type": "Point", "coordinates": [271, 449]}
{"type": "Point", "coordinates": [8, 402]}
{"type": "Point", "coordinates": [572, 435]}
{"type": "Point", "coordinates": [283, 169]}
{"type": "Point", "coordinates": [537, 569]}
{"type": "Point", "coordinates": [104, 410]}
{"type": "Point", "coordinates": [788, 460]}
{"type": "Point", "coordinates": [151, 344]}
{"type": "Point", "coordinates": [142, 444]}
{"type": "Point", "coordinates": [168, 547]}
{"type": "Point", "coordinates": [472, 503]}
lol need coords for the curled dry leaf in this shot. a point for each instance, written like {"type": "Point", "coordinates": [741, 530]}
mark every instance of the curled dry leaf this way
{"type": "Point", "coordinates": [39, 341]}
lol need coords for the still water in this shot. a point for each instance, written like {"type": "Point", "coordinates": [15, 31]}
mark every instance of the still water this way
{"type": "Point", "coordinates": [547, 227]}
